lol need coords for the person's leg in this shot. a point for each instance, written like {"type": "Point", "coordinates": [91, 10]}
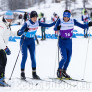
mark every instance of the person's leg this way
{"type": "Point", "coordinates": [42, 33]}
{"type": "Point", "coordinates": [24, 57]}
{"type": "Point", "coordinates": [3, 61]}
{"type": "Point", "coordinates": [87, 32]}
{"type": "Point", "coordinates": [24, 53]}
{"type": "Point", "coordinates": [64, 57]}
{"type": "Point", "coordinates": [55, 33]}
{"type": "Point", "coordinates": [31, 48]}
{"type": "Point", "coordinates": [69, 54]}
{"type": "Point", "coordinates": [63, 52]}
{"type": "Point", "coordinates": [84, 32]}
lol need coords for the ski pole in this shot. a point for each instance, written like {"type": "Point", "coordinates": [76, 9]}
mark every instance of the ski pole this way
{"type": "Point", "coordinates": [57, 51]}
{"type": "Point", "coordinates": [17, 59]}
{"type": "Point", "coordinates": [55, 62]}
{"type": "Point", "coordinates": [86, 57]}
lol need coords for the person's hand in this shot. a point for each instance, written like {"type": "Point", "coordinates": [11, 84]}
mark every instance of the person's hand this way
{"type": "Point", "coordinates": [7, 51]}
{"type": "Point", "coordinates": [19, 32]}
{"type": "Point", "coordinates": [26, 30]}
{"type": "Point", "coordinates": [58, 28]}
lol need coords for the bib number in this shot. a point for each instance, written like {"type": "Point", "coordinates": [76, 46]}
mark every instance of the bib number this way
{"type": "Point", "coordinates": [32, 35]}
{"type": "Point", "coordinates": [67, 34]}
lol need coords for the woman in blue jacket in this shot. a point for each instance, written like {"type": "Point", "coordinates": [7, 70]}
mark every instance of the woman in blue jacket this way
{"type": "Point", "coordinates": [27, 42]}
{"type": "Point", "coordinates": [65, 27]}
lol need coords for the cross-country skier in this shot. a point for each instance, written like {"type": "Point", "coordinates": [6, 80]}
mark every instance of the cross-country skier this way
{"type": "Point", "coordinates": [27, 42]}
{"type": "Point", "coordinates": [85, 19]}
{"type": "Point", "coordinates": [65, 27]}
{"type": "Point", "coordinates": [5, 33]}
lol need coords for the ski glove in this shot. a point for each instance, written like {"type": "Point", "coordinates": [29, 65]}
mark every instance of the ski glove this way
{"type": "Point", "coordinates": [26, 30]}
{"type": "Point", "coordinates": [58, 27]}
{"type": "Point", "coordinates": [19, 33]}
{"type": "Point", "coordinates": [90, 24]}
{"type": "Point", "coordinates": [7, 51]}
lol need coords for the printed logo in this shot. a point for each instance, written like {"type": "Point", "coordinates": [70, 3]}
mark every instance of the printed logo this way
{"type": "Point", "coordinates": [32, 29]}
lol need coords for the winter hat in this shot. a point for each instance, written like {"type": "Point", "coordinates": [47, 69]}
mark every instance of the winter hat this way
{"type": "Point", "coordinates": [9, 15]}
{"type": "Point", "coordinates": [67, 14]}
{"type": "Point", "coordinates": [33, 14]}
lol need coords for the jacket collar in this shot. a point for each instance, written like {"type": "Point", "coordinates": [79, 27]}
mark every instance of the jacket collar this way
{"type": "Point", "coordinates": [31, 21]}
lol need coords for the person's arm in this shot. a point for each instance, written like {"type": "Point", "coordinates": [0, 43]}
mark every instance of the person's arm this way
{"type": "Point", "coordinates": [46, 25]}
{"type": "Point", "coordinates": [21, 31]}
{"type": "Point", "coordinates": [76, 23]}
{"type": "Point", "coordinates": [56, 25]}
{"type": "Point", "coordinates": [2, 42]}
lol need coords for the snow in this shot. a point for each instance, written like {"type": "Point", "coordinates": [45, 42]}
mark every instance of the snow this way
{"type": "Point", "coordinates": [47, 60]}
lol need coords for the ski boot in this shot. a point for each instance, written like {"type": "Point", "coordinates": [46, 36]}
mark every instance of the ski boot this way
{"type": "Point", "coordinates": [59, 73]}
{"type": "Point", "coordinates": [23, 75]}
{"type": "Point", "coordinates": [35, 76]}
{"type": "Point", "coordinates": [2, 80]}
{"type": "Point", "coordinates": [86, 35]}
{"type": "Point", "coordinates": [65, 75]}
{"type": "Point", "coordinates": [3, 83]}
{"type": "Point", "coordinates": [42, 39]}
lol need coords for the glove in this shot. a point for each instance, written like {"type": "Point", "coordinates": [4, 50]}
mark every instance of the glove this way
{"type": "Point", "coordinates": [26, 30]}
{"type": "Point", "coordinates": [18, 33]}
{"type": "Point", "coordinates": [7, 51]}
{"type": "Point", "coordinates": [58, 28]}
{"type": "Point", "coordinates": [90, 24]}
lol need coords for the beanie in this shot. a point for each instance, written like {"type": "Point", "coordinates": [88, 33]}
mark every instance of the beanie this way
{"type": "Point", "coordinates": [33, 14]}
{"type": "Point", "coordinates": [9, 15]}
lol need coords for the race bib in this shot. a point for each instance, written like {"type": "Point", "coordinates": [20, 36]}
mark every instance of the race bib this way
{"type": "Point", "coordinates": [30, 34]}
{"type": "Point", "coordinates": [66, 33]}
